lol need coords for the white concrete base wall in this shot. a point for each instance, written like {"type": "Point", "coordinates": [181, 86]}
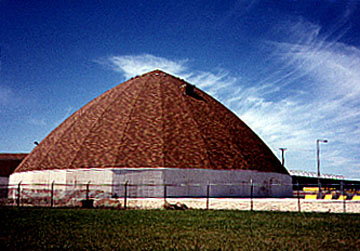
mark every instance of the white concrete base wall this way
{"type": "Point", "coordinates": [142, 182]}
{"type": "Point", "coordinates": [64, 177]}
{"type": "Point", "coordinates": [68, 183]}
{"type": "Point", "coordinates": [223, 183]}
{"type": "Point", "coordinates": [149, 182]}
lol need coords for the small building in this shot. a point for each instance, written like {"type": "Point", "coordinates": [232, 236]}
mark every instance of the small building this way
{"type": "Point", "coordinates": [8, 163]}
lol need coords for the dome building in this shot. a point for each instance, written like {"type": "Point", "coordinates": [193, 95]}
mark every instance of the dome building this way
{"type": "Point", "coordinates": [156, 129]}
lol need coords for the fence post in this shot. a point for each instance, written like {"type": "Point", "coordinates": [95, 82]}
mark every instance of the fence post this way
{"type": "Point", "coordinates": [298, 196]}
{"type": "Point", "coordinates": [125, 194]}
{"type": "Point", "coordinates": [165, 193]}
{"type": "Point", "coordinates": [52, 194]}
{"type": "Point", "coordinates": [251, 195]}
{"type": "Point", "coordinates": [207, 196]}
{"type": "Point", "coordinates": [87, 190]}
{"type": "Point", "coordinates": [343, 194]}
{"type": "Point", "coordinates": [18, 197]}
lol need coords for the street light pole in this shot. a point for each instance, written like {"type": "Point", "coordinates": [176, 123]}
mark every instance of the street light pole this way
{"type": "Point", "coordinates": [318, 160]}
{"type": "Point", "coordinates": [318, 154]}
{"type": "Point", "coordinates": [283, 155]}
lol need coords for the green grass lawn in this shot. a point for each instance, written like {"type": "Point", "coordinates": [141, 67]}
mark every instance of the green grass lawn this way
{"type": "Point", "coordinates": [96, 229]}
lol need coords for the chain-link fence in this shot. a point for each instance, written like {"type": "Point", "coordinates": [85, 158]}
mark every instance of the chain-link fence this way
{"type": "Point", "coordinates": [306, 197]}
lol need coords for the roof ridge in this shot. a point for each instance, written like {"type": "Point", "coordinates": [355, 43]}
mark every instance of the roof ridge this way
{"type": "Point", "coordinates": [197, 125]}
{"type": "Point", "coordinates": [128, 122]}
{"type": "Point", "coordinates": [162, 123]}
{"type": "Point", "coordinates": [97, 119]}
{"type": "Point", "coordinates": [55, 141]}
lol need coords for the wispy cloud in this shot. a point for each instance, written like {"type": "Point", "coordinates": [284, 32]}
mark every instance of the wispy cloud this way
{"type": "Point", "coordinates": [313, 93]}
{"type": "Point", "coordinates": [37, 122]}
{"type": "Point", "coordinates": [68, 111]}
{"type": "Point", "coordinates": [132, 65]}
{"type": "Point", "coordinates": [319, 78]}
{"type": "Point", "coordinates": [217, 83]}
{"type": "Point", "coordinates": [9, 99]}
{"type": "Point", "coordinates": [236, 10]}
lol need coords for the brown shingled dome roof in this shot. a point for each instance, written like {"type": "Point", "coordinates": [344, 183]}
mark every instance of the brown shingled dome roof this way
{"type": "Point", "coordinates": [155, 120]}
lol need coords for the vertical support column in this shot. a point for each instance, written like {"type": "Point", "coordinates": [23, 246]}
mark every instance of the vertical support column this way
{"type": "Point", "coordinates": [207, 196]}
{"type": "Point", "coordinates": [87, 190]}
{"type": "Point", "coordinates": [298, 196]}
{"type": "Point", "coordinates": [19, 194]}
{"type": "Point", "coordinates": [52, 194]}
{"type": "Point", "coordinates": [320, 189]}
{"type": "Point", "coordinates": [125, 194]}
{"type": "Point", "coordinates": [251, 195]}
{"type": "Point", "coordinates": [165, 193]}
{"type": "Point", "coordinates": [343, 194]}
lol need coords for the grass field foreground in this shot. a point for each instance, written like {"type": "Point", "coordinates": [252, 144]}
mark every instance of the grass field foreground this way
{"type": "Point", "coordinates": [80, 229]}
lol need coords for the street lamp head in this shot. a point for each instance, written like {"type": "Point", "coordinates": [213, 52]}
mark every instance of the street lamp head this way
{"type": "Point", "coordinates": [322, 140]}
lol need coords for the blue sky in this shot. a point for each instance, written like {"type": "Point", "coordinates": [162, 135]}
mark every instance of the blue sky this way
{"type": "Point", "coordinates": [289, 69]}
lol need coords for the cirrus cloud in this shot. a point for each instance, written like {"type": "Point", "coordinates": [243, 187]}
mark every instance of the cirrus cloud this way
{"type": "Point", "coordinates": [313, 93]}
